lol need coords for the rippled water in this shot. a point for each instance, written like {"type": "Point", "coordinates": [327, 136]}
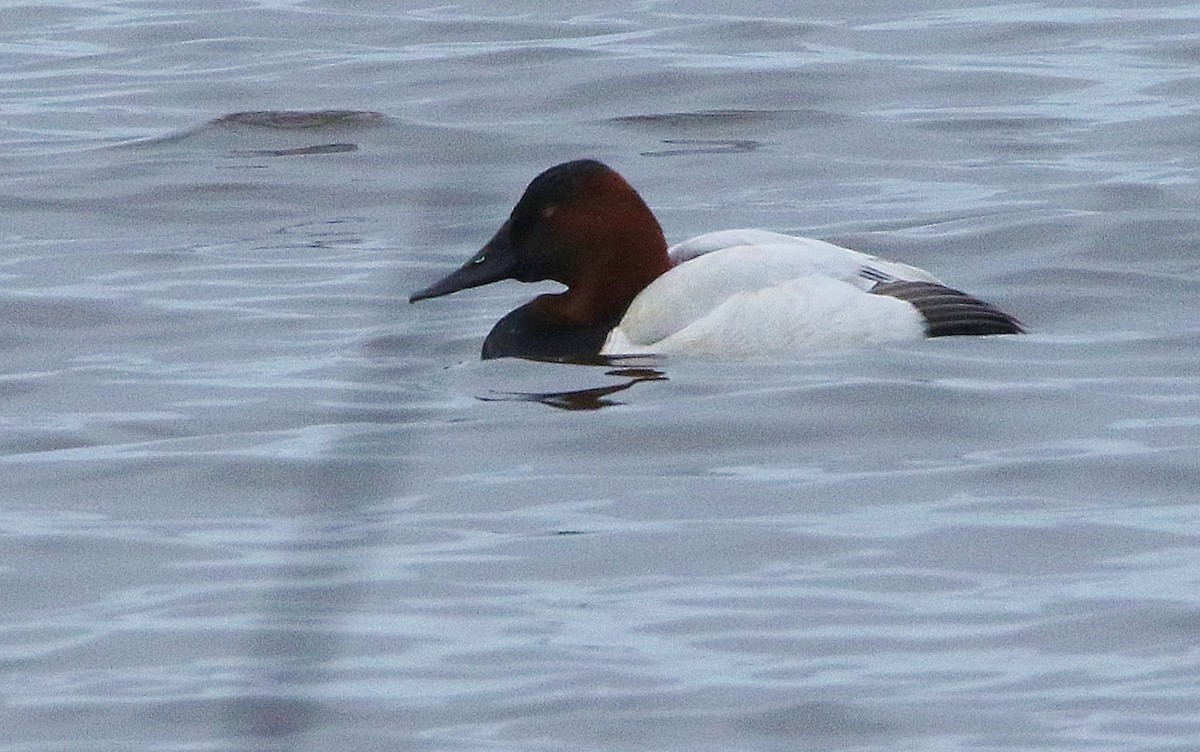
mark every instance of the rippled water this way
{"type": "Point", "coordinates": [253, 499]}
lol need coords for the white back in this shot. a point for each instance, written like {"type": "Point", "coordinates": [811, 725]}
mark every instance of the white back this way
{"type": "Point", "coordinates": [824, 258]}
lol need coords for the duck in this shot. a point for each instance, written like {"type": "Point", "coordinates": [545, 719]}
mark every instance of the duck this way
{"type": "Point", "coordinates": [729, 294]}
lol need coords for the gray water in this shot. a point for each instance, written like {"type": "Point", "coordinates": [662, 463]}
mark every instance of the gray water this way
{"type": "Point", "coordinates": [252, 499]}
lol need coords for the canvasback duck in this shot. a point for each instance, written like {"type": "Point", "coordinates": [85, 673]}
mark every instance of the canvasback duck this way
{"type": "Point", "coordinates": [728, 294]}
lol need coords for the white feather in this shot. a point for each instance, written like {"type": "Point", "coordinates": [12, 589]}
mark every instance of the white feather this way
{"type": "Point", "coordinates": [754, 293]}
{"type": "Point", "coordinates": [816, 255]}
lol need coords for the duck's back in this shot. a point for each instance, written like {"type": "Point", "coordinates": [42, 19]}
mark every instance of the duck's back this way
{"type": "Point", "coordinates": [816, 256]}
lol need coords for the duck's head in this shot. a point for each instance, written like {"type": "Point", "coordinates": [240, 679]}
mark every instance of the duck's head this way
{"type": "Point", "coordinates": [578, 223]}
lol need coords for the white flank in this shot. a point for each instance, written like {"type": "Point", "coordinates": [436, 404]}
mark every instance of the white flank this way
{"type": "Point", "coordinates": [752, 293]}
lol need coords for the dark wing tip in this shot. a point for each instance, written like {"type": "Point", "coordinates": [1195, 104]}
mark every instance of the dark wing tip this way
{"type": "Point", "coordinates": [949, 312]}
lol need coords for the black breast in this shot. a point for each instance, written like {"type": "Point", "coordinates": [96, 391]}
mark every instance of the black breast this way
{"type": "Point", "coordinates": [528, 333]}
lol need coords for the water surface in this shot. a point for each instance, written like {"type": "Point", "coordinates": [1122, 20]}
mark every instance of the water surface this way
{"type": "Point", "coordinates": [253, 499]}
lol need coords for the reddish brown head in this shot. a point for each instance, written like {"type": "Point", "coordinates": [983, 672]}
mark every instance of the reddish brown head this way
{"type": "Point", "coordinates": [578, 223]}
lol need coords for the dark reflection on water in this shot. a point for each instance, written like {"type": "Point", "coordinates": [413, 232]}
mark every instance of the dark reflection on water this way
{"type": "Point", "coordinates": [301, 627]}
{"type": "Point", "coordinates": [297, 119]}
{"type": "Point", "coordinates": [266, 128]}
{"type": "Point", "coordinates": [703, 117]}
{"type": "Point", "coordinates": [583, 399]}
{"type": "Point", "coordinates": [299, 151]}
{"type": "Point", "coordinates": [706, 146]}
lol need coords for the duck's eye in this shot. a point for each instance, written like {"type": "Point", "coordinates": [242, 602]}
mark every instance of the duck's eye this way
{"type": "Point", "coordinates": [548, 212]}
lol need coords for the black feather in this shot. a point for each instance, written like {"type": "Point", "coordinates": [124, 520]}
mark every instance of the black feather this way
{"type": "Point", "coordinates": [949, 312]}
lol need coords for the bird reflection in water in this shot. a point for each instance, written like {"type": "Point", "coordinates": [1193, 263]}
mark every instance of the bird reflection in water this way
{"type": "Point", "coordinates": [583, 399]}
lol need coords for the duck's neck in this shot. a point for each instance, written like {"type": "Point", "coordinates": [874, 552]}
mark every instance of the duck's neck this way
{"type": "Point", "coordinates": [612, 278]}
